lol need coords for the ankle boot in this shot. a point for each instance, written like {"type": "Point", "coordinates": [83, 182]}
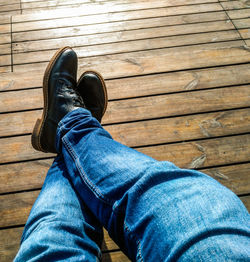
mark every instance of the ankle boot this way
{"type": "Point", "coordinates": [92, 88]}
{"type": "Point", "coordinates": [60, 98]}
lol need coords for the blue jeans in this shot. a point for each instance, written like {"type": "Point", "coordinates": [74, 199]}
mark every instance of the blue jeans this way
{"type": "Point", "coordinates": [153, 210]}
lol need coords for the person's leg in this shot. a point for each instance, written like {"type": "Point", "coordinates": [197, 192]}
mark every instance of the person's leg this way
{"type": "Point", "coordinates": [60, 227]}
{"type": "Point", "coordinates": [153, 210]}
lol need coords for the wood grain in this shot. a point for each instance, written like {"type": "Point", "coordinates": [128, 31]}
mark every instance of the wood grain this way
{"type": "Point", "coordinates": [231, 5]}
{"type": "Point", "coordinates": [110, 37]}
{"type": "Point", "coordinates": [111, 6]}
{"type": "Point", "coordinates": [131, 46]}
{"type": "Point", "coordinates": [159, 60]}
{"type": "Point", "coordinates": [75, 12]}
{"type": "Point", "coordinates": [242, 23]}
{"type": "Point", "coordinates": [121, 26]}
{"type": "Point", "coordinates": [245, 33]}
{"type": "Point", "coordinates": [146, 85]}
{"type": "Point", "coordinates": [175, 15]}
{"type": "Point", "coordinates": [240, 13]}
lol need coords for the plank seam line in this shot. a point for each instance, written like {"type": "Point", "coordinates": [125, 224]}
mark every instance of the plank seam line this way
{"type": "Point", "coordinates": [135, 40]}
{"type": "Point", "coordinates": [232, 22]}
{"type": "Point", "coordinates": [124, 11]}
{"type": "Point", "coordinates": [203, 169]}
{"type": "Point", "coordinates": [13, 226]}
{"type": "Point", "coordinates": [21, 7]}
{"type": "Point", "coordinates": [11, 45]}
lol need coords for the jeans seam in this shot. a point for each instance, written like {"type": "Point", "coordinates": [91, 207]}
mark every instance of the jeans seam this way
{"type": "Point", "coordinates": [138, 242]}
{"type": "Point", "coordinates": [84, 176]}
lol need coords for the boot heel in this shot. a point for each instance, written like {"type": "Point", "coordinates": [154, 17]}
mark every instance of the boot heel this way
{"type": "Point", "coordinates": [35, 135]}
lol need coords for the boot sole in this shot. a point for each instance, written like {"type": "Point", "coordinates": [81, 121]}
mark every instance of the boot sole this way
{"type": "Point", "coordinates": [38, 128]}
{"type": "Point", "coordinates": [103, 87]}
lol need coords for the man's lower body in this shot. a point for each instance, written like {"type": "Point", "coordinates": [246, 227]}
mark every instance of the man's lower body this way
{"type": "Point", "coordinates": [153, 210]}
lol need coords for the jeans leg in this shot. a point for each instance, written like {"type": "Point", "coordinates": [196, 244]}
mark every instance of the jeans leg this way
{"type": "Point", "coordinates": [60, 227]}
{"type": "Point", "coordinates": [153, 210]}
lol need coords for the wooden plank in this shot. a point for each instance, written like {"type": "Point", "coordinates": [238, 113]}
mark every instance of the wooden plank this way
{"type": "Point", "coordinates": [242, 23]}
{"type": "Point", "coordinates": [11, 7]}
{"type": "Point", "coordinates": [211, 152]}
{"type": "Point", "coordinates": [5, 60]}
{"type": "Point", "coordinates": [245, 33]}
{"type": "Point", "coordinates": [5, 49]}
{"type": "Point", "coordinates": [38, 4]}
{"type": "Point", "coordinates": [120, 26]}
{"type": "Point", "coordinates": [4, 29]}
{"type": "Point", "coordinates": [5, 69]}
{"type": "Point", "coordinates": [131, 46]}
{"type": "Point", "coordinates": [5, 38]}
{"type": "Point", "coordinates": [15, 208]}
{"type": "Point", "coordinates": [5, 19]}
{"type": "Point", "coordinates": [159, 60]}
{"type": "Point", "coordinates": [9, 243]}
{"type": "Point", "coordinates": [146, 85]}
{"type": "Point", "coordinates": [10, 13]}
{"type": "Point", "coordinates": [9, 2]}
{"type": "Point", "coordinates": [109, 37]}
{"type": "Point", "coordinates": [178, 15]}
{"type": "Point", "coordinates": [110, 6]}
{"type": "Point", "coordinates": [91, 10]}
{"type": "Point", "coordinates": [41, 5]}
{"type": "Point", "coordinates": [229, 5]}
{"type": "Point", "coordinates": [235, 177]}
{"type": "Point", "coordinates": [240, 13]}
{"type": "Point", "coordinates": [23, 176]}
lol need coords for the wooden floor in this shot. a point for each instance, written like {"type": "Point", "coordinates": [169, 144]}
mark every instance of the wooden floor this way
{"type": "Point", "coordinates": [178, 79]}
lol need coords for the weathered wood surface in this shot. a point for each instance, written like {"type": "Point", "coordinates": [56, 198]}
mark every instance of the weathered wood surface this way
{"type": "Point", "coordinates": [177, 74]}
{"type": "Point", "coordinates": [146, 85]}
{"type": "Point", "coordinates": [159, 60]}
{"type": "Point", "coordinates": [223, 31]}
{"type": "Point", "coordinates": [113, 6]}
{"type": "Point", "coordinates": [175, 16]}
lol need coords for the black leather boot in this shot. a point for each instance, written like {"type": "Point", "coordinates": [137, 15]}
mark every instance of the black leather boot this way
{"type": "Point", "coordinates": [60, 98]}
{"type": "Point", "coordinates": [91, 87]}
